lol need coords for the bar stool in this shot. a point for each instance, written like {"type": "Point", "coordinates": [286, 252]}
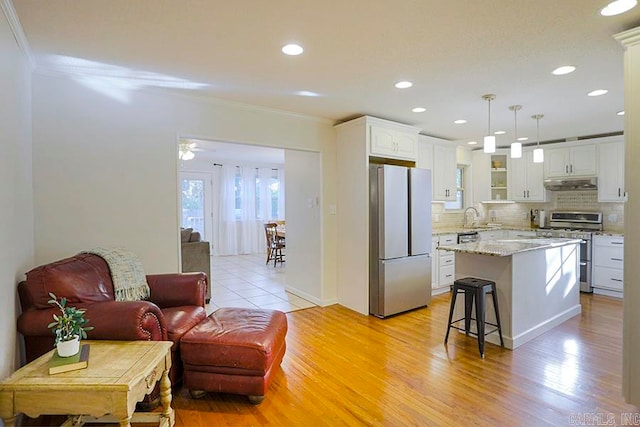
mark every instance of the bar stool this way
{"type": "Point", "coordinates": [477, 289]}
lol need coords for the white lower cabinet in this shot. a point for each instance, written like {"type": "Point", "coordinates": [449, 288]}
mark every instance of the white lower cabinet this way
{"type": "Point", "coordinates": [608, 265]}
{"type": "Point", "coordinates": [444, 264]}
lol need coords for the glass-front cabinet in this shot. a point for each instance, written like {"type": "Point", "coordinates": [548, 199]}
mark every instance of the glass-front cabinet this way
{"type": "Point", "coordinates": [499, 177]}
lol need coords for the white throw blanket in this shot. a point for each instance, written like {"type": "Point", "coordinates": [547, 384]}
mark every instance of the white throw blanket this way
{"type": "Point", "coordinates": [127, 275]}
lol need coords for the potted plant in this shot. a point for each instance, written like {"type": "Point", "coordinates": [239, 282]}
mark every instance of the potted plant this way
{"type": "Point", "coordinates": [68, 327]}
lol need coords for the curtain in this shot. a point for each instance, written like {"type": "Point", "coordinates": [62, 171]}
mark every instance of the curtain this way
{"type": "Point", "coordinates": [227, 232]}
{"type": "Point", "coordinates": [241, 206]}
{"type": "Point", "coordinates": [280, 174]}
{"type": "Point", "coordinates": [216, 209]}
{"type": "Point", "coordinates": [249, 225]}
{"type": "Point", "coordinates": [265, 175]}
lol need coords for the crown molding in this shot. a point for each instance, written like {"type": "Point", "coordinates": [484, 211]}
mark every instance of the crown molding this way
{"type": "Point", "coordinates": [210, 99]}
{"type": "Point", "coordinates": [16, 29]}
{"type": "Point", "coordinates": [629, 38]}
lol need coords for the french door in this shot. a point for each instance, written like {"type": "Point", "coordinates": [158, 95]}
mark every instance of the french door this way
{"type": "Point", "coordinates": [195, 203]}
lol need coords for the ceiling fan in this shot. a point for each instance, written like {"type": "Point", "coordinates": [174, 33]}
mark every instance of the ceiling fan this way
{"type": "Point", "coordinates": [186, 149]}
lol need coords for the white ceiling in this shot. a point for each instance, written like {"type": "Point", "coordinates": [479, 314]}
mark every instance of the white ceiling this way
{"type": "Point", "coordinates": [355, 50]}
{"type": "Point", "coordinates": [250, 155]}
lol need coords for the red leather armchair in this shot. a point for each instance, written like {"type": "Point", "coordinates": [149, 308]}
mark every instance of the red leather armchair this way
{"type": "Point", "coordinates": [176, 305]}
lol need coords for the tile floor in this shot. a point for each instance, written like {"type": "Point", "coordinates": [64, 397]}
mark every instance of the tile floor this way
{"type": "Point", "coordinates": [245, 281]}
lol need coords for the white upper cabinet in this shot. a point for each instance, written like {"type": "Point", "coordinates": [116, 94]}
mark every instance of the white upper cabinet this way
{"type": "Point", "coordinates": [393, 143]}
{"type": "Point", "coordinates": [444, 172]}
{"type": "Point", "coordinates": [611, 172]}
{"type": "Point", "coordinates": [580, 160]}
{"type": "Point", "coordinates": [481, 179]}
{"type": "Point", "coordinates": [526, 179]}
{"type": "Point", "coordinates": [424, 158]}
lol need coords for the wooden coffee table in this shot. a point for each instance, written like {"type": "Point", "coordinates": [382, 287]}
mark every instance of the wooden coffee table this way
{"type": "Point", "coordinates": [119, 375]}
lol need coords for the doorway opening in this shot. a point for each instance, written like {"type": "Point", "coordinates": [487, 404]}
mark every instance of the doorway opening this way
{"type": "Point", "coordinates": [229, 190]}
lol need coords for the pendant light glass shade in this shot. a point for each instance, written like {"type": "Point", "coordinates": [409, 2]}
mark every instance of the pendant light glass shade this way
{"type": "Point", "coordinates": [489, 144]}
{"type": "Point", "coordinates": [489, 140]}
{"type": "Point", "coordinates": [516, 147]}
{"type": "Point", "coordinates": [538, 153]}
{"type": "Point", "coordinates": [516, 150]}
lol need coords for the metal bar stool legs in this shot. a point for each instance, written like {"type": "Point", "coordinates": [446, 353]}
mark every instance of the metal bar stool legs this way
{"type": "Point", "coordinates": [475, 291]}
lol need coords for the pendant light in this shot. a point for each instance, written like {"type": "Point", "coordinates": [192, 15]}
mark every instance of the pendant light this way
{"type": "Point", "coordinates": [516, 147]}
{"type": "Point", "coordinates": [538, 153]}
{"type": "Point", "coordinates": [489, 140]}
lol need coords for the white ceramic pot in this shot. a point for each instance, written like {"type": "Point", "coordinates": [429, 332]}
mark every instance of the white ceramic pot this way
{"type": "Point", "coordinates": [68, 348]}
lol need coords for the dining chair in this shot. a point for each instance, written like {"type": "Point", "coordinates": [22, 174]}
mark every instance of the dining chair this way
{"type": "Point", "coordinates": [275, 244]}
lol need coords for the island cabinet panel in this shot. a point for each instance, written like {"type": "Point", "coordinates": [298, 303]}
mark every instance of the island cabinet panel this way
{"type": "Point", "coordinates": [608, 265]}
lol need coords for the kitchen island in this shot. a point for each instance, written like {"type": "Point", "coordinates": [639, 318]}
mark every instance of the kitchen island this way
{"type": "Point", "coordinates": [537, 282]}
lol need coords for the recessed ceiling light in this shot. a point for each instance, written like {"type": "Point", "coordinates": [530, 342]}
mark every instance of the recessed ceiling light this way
{"type": "Point", "coordinates": [419, 110]}
{"type": "Point", "coordinates": [292, 49]}
{"type": "Point", "coordinates": [620, 113]}
{"type": "Point", "coordinates": [523, 138]}
{"type": "Point", "coordinates": [565, 69]}
{"type": "Point", "coordinates": [472, 142]}
{"type": "Point", "coordinates": [617, 7]}
{"type": "Point", "coordinates": [404, 85]}
{"type": "Point", "coordinates": [499, 132]}
{"type": "Point", "coordinates": [307, 93]}
{"type": "Point", "coordinates": [460, 121]}
{"type": "Point", "coordinates": [597, 92]}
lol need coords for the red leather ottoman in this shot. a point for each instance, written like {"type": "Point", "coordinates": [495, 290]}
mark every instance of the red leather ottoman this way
{"type": "Point", "coordinates": [234, 350]}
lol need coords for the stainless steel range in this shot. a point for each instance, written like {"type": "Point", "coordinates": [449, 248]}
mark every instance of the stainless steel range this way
{"type": "Point", "coordinates": [576, 225]}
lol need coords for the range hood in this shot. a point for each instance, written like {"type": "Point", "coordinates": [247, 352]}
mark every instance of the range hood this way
{"type": "Point", "coordinates": [571, 183]}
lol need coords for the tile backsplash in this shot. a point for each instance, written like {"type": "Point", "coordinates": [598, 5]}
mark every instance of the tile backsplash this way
{"type": "Point", "coordinates": [517, 214]}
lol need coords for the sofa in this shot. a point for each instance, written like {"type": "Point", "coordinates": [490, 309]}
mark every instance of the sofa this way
{"type": "Point", "coordinates": [175, 306]}
{"type": "Point", "coordinates": [195, 254]}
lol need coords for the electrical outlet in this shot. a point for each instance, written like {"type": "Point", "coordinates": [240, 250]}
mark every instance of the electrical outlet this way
{"type": "Point", "coordinates": [612, 218]}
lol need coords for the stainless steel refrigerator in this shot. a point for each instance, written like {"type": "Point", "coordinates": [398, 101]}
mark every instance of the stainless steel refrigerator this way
{"type": "Point", "coordinates": [399, 239]}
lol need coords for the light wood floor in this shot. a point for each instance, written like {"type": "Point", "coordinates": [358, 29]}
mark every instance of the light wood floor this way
{"type": "Point", "coordinates": [342, 368]}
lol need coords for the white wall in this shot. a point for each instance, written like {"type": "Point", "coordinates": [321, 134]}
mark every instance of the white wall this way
{"type": "Point", "coordinates": [303, 207]}
{"type": "Point", "coordinates": [105, 170]}
{"type": "Point", "coordinates": [16, 214]}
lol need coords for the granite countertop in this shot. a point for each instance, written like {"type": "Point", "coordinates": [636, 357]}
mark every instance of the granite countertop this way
{"type": "Point", "coordinates": [609, 233]}
{"type": "Point", "coordinates": [507, 247]}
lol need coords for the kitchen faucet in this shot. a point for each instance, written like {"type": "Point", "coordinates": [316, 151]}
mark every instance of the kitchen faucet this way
{"type": "Point", "coordinates": [475, 215]}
